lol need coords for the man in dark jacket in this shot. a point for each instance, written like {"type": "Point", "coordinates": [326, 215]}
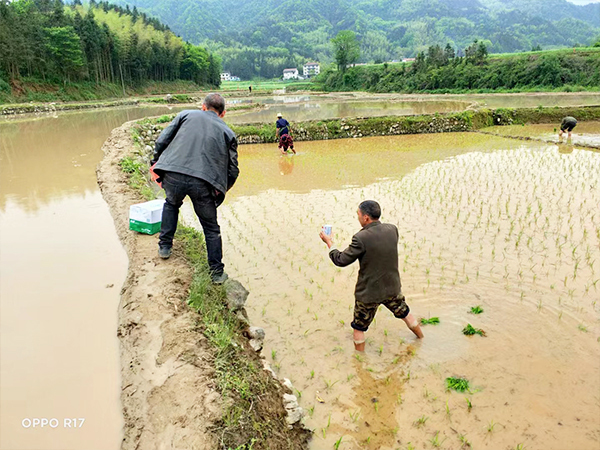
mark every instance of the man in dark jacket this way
{"type": "Point", "coordinates": [376, 248]}
{"type": "Point", "coordinates": [196, 155]}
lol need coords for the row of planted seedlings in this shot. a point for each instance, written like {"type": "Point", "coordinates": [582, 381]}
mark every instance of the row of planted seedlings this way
{"type": "Point", "coordinates": [521, 218]}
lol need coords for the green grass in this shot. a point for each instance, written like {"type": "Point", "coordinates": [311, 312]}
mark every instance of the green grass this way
{"type": "Point", "coordinates": [137, 171]}
{"type": "Point", "coordinates": [430, 321]}
{"type": "Point", "coordinates": [469, 330]}
{"type": "Point", "coordinates": [457, 384]}
{"type": "Point", "coordinates": [261, 85]}
{"type": "Point", "coordinates": [238, 374]}
{"type": "Point", "coordinates": [239, 378]}
{"type": "Point", "coordinates": [476, 309]}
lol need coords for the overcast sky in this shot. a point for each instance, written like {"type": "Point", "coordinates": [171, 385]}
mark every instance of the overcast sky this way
{"type": "Point", "coordinates": [583, 2]}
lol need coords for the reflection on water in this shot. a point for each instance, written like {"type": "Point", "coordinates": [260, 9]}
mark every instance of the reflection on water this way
{"type": "Point", "coordinates": [483, 221]}
{"type": "Point", "coordinates": [585, 133]}
{"type": "Point", "coordinates": [317, 110]}
{"type": "Point", "coordinates": [61, 268]}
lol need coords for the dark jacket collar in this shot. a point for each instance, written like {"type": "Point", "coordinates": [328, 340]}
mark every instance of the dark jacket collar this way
{"type": "Point", "coordinates": [372, 224]}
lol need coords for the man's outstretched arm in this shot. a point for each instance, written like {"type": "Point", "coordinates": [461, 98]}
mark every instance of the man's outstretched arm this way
{"type": "Point", "coordinates": [348, 256]}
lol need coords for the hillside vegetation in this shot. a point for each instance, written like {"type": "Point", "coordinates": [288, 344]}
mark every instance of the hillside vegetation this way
{"type": "Point", "coordinates": [261, 37]}
{"type": "Point", "coordinates": [440, 70]}
{"type": "Point", "coordinates": [44, 43]}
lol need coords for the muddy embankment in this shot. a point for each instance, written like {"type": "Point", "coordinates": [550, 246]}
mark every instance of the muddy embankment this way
{"type": "Point", "coordinates": [170, 397]}
{"type": "Point", "coordinates": [396, 125]}
{"type": "Point", "coordinates": [177, 99]}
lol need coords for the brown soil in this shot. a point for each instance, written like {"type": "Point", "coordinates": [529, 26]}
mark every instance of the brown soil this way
{"type": "Point", "coordinates": [169, 396]}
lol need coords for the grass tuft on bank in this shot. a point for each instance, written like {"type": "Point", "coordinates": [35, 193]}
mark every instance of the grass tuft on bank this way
{"type": "Point", "coordinates": [253, 416]}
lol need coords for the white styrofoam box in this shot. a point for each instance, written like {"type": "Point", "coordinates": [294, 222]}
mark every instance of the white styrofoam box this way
{"type": "Point", "coordinates": [149, 212]}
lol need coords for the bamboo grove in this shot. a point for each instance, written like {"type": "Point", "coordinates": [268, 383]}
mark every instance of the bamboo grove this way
{"type": "Point", "coordinates": [99, 42]}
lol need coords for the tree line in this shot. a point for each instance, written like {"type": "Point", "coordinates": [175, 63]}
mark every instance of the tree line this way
{"type": "Point", "coordinates": [443, 69]}
{"type": "Point", "coordinates": [45, 40]}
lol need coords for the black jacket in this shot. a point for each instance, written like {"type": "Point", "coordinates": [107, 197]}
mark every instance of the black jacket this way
{"type": "Point", "coordinates": [376, 248]}
{"type": "Point", "coordinates": [199, 144]}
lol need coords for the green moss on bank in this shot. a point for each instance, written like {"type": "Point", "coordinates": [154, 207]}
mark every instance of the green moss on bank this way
{"type": "Point", "coordinates": [258, 133]}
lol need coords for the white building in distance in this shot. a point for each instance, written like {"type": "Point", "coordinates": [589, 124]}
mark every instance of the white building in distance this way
{"type": "Point", "coordinates": [225, 76]}
{"type": "Point", "coordinates": [311, 69]}
{"type": "Point", "coordinates": [290, 74]}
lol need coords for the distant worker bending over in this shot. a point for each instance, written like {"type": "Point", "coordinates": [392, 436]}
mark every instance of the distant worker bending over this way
{"type": "Point", "coordinates": [376, 248]}
{"type": "Point", "coordinates": [567, 125]}
{"type": "Point", "coordinates": [284, 135]}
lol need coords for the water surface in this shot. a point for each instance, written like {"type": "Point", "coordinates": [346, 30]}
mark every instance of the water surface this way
{"type": "Point", "coordinates": [61, 270]}
{"type": "Point", "coordinates": [511, 226]}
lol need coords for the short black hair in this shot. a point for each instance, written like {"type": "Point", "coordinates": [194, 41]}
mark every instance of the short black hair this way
{"type": "Point", "coordinates": [216, 102]}
{"type": "Point", "coordinates": [370, 208]}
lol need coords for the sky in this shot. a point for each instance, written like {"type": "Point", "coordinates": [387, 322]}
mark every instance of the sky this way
{"type": "Point", "coordinates": [583, 2]}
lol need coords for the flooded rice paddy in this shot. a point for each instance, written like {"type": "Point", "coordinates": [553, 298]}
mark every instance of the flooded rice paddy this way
{"type": "Point", "coordinates": [360, 104]}
{"type": "Point", "coordinates": [584, 134]}
{"type": "Point", "coordinates": [509, 226]}
{"type": "Point", "coordinates": [319, 109]}
{"type": "Point", "coordinates": [61, 270]}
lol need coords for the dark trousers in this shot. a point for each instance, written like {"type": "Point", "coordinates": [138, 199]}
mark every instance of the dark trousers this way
{"type": "Point", "coordinates": [177, 186]}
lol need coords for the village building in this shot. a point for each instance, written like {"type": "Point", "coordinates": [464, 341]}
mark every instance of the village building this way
{"type": "Point", "coordinates": [311, 69]}
{"type": "Point", "coordinates": [290, 74]}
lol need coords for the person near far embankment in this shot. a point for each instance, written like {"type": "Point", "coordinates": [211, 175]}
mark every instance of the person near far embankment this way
{"type": "Point", "coordinates": [567, 125]}
{"type": "Point", "coordinates": [284, 135]}
{"type": "Point", "coordinates": [376, 248]}
{"type": "Point", "coordinates": [196, 156]}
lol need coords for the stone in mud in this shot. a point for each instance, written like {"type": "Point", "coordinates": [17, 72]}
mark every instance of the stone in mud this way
{"type": "Point", "coordinates": [236, 294]}
{"type": "Point", "coordinates": [288, 384]}
{"type": "Point", "coordinates": [294, 411]}
{"type": "Point", "coordinates": [257, 338]}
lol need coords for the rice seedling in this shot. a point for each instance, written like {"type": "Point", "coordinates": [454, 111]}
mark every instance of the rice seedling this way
{"type": "Point", "coordinates": [430, 321]}
{"type": "Point", "coordinates": [520, 447]}
{"type": "Point", "coordinates": [435, 440]}
{"type": "Point", "coordinates": [354, 416]}
{"type": "Point", "coordinates": [469, 330]}
{"type": "Point", "coordinates": [464, 441]}
{"type": "Point", "coordinates": [337, 443]}
{"type": "Point", "coordinates": [457, 384]}
{"type": "Point", "coordinates": [329, 384]}
{"type": "Point", "coordinates": [420, 421]}
{"type": "Point", "coordinates": [476, 310]}
{"type": "Point", "coordinates": [582, 327]}
{"type": "Point", "coordinates": [469, 404]}
{"type": "Point", "coordinates": [490, 427]}
{"type": "Point", "coordinates": [273, 355]}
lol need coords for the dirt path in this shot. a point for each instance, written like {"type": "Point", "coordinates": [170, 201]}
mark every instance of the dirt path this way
{"type": "Point", "coordinates": [168, 397]}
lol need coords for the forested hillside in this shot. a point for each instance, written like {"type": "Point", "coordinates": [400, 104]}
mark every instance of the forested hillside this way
{"type": "Point", "coordinates": [102, 43]}
{"type": "Point", "coordinates": [260, 37]}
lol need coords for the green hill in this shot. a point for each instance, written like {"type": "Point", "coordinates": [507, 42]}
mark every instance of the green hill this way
{"type": "Point", "coordinates": [262, 37]}
{"type": "Point", "coordinates": [43, 42]}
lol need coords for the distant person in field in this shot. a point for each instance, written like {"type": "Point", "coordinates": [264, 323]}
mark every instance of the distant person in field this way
{"type": "Point", "coordinates": [376, 248]}
{"type": "Point", "coordinates": [250, 89]}
{"type": "Point", "coordinates": [196, 156]}
{"type": "Point", "coordinates": [567, 125]}
{"type": "Point", "coordinates": [284, 135]}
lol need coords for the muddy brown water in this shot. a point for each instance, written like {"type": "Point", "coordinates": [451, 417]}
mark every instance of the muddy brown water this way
{"type": "Point", "coordinates": [61, 269]}
{"type": "Point", "coordinates": [535, 377]}
{"type": "Point", "coordinates": [316, 109]}
{"type": "Point", "coordinates": [584, 134]}
{"type": "Point", "coordinates": [511, 226]}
